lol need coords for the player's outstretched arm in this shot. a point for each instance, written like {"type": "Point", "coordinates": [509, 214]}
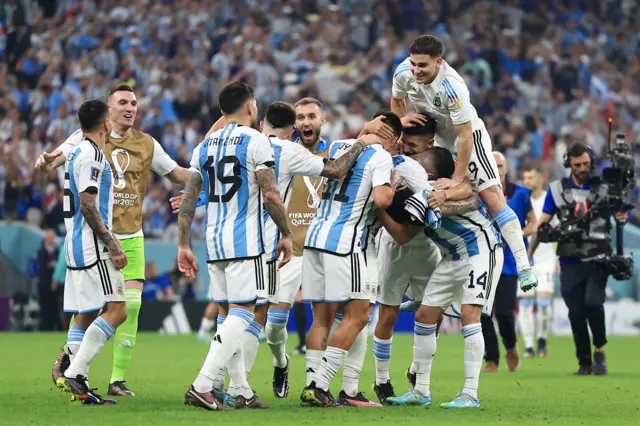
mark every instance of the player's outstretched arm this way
{"type": "Point", "coordinates": [179, 175]}
{"type": "Point", "coordinates": [217, 125]}
{"type": "Point", "coordinates": [50, 161]}
{"type": "Point", "coordinates": [187, 263]}
{"type": "Point", "coordinates": [459, 192]}
{"type": "Point", "coordinates": [338, 168]}
{"type": "Point", "coordinates": [398, 106]}
{"type": "Point", "coordinates": [451, 208]}
{"type": "Point", "coordinates": [91, 215]}
{"type": "Point", "coordinates": [275, 206]}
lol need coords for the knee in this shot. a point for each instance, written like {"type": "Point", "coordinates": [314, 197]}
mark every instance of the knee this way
{"type": "Point", "coordinates": [526, 304]}
{"type": "Point", "coordinates": [120, 314]}
{"type": "Point", "coordinates": [543, 302]}
{"type": "Point", "coordinates": [428, 314]}
{"type": "Point", "coordinates": [387, 317]}
{"type": "Point", "coordinates": [357, 320]}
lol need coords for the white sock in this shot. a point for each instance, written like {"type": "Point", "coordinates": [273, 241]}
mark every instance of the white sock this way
{"type": "Point", "coordinates": [329, 365]}
{"type": "Point", "coordinates": [544, 317]}
{"type": "Point", "coordinates": [313, 358]}
{"type": "Point", "coordinates": [206, 325]}
{"type": "Point", "coordinates": [424, 349]}
{"type": "Point", "coordinates": [250, 345]}
{"type": "Point", "coordinates": [94, 339]}
{"type": "Point", "coordinates": [238, 384]}
{"type": "Point", "coordinates": [512, 232]}
{"type": "Point", "coordinates": [276, 331]}
{"type": "Point", "coordinates": [525, 318]}
{"type": "Point", "coordinates": [74, 338]}
{"type": "Point", "coordinates": [382, 355]}
{"type": "Point", "coordinates": [473, 353]}
{"type": "Point", "coordinates": [224, 344]}
{"type": "Point", "coordinates": [353, 363]}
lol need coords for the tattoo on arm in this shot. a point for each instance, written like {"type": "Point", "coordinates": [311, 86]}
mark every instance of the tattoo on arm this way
{"type": "Point", "coordinates": [272, 201]}
{"type": "Point", "coordinates": [188, 207]}
{"type": "Point", "coordinates": [91, 215]}
{"type": "Point", "coordinates": [450, 208]}
{"type": "Point", "coordinates": [179, 175]}
{"type": "Point", "coordinates": [338, 168]}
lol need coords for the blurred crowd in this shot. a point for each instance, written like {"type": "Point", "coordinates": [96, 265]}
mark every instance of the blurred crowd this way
{"type": "Point", "coordinates": [542, 73]}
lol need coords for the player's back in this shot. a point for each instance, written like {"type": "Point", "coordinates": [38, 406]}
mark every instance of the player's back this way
{"type": "Point", "coordinates": [291, 159]}
{"type": "Point", "coordinates": [86, 170]}
{"type": "Point", "coordinates": [228, 160]}
{"type": "Point", "coordinates": [340, 219]}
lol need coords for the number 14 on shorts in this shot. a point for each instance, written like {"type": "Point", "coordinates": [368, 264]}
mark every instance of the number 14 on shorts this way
{"type": "Point", "coordinates": [480, 281]}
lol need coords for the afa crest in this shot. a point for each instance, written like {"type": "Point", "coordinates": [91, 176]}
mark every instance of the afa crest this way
{"type": "Point", "coordinates": [437, 102]}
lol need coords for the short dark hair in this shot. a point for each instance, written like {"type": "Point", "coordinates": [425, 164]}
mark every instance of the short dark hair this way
{"type": "Point", "coordinates": [122, 87]}
{"type": "Point", "coordinates": [426, 45]}
{"type": "Point", "coordinates": [390, 119]}
{"type": "Point", "coordinates": [577, 149]}
{"type": "Point", "coordinates": [422, 129]}
{"type": "Point", "coordinates": [280, 115]}
{"type": "Point", "coordinates": [233, 96]}
{"type": "Point", "coordinates": [532, 166]}
{"type": "Point", "coordinates": [309, 101]}
{"type": "Point", "coordinates": [91, 114]}
{"type": "Point", "coordinates": [442, 162]}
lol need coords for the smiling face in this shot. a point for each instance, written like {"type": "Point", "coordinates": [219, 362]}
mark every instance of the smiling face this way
{"type": "Point", "coordinates": [123, 108]}
{"type": "Point", "coordinates": [424, 67]}
{"type": "Point", "coordinates": [309, 122]}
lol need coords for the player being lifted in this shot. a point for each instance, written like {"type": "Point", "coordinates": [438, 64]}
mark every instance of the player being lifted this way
{"type": "Point", "coordinates": [468, 272]}
{"type": "Point", "coordinates": [435, 88]}
{"type": "Point", "coordinates": [236, 167]}
{"type": "Point", "coordinates": [132, 156]}
{"type": "Point", "coordinates": [94, 256]}
{"type": "Point", "coordinates": [334, 271]}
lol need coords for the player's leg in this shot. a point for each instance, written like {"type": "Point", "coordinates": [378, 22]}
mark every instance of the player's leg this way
{"type": "Point", "coordinates": [595, 297]}
{"type": "Point", "coordinates": [346, 280]}
{"type": "Point", "coordinates": [544, 299]}
{"type": "Point", "coordinates": [394, 281]}
{"type": "Point", "coordinates": [226, 342]}
{"type": "Point", "coordinates": [76, 330]}
{"type": "Point", "coordinates": [507, 291]}
{"type": "Point", "coordinates": [573, 280]}
{"type": "Point", "coordinates": [126, 335]}
{"type": "Point", "coordinates": [208, 322]}
{"type": "Point", "coordinates": [526, 320]}
{"type": "Point", "coordinates": [100, 285]}
{"type": "Point", "coordinates": [483, 173]}
{"type": "Point", "coordinates": [478, 293]}
{"type": "Point", "coordinates": [300, 317]}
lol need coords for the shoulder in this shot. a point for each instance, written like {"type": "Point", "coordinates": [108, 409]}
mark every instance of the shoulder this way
{"type": "Point", "coordinates": [138, 135]}
{"type": "Point", "coordinates": [378, 153]}
{"type": "Point", "coordinates": [75, 137]}
{"type": "Point", "coordinates": [402, 71]}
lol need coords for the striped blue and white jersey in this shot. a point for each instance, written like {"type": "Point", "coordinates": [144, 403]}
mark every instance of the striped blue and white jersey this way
{"type": "Point", "coordinates": [86, 170]}
{"type": "Point", "coordinates": [460, 236]}
{"type": "Point", "coordinates": [227, 160]}
{"type": "Point", "coordinates": [446, 99]}
{"type": "Point", "coordinates": [291, 160]}
{"type": "Point", "coordinates": [340, 220]}
{"type": "Point", "coordinates": [413, 176]}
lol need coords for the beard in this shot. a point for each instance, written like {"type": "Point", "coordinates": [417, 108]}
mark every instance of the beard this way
{"type": "Point", "coordinates": [310, 140]}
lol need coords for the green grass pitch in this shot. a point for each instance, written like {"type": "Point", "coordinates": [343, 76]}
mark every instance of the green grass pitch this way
{"type": "Point", "coordinates": [541, 392]}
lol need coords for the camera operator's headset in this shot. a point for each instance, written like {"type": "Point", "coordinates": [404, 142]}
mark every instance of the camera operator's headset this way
{"type": "Point", "coordinates": [567, 164]}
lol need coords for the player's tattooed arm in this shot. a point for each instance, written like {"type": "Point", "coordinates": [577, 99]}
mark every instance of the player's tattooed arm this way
{"type": "Point", "coordinates": [272, 201]}
{"type": "Point", "coordinates": [188, 207]}
{"type": "Point", "coordinates": [450, 208]}
{"type": "Point", "coordinates": [338, 168]}
{"type": "Point", "coordinates": [91, 215]}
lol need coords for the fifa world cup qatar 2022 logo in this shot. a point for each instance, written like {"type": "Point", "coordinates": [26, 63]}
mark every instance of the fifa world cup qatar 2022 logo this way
{"type": "Point", "coordinates": [121, 161]}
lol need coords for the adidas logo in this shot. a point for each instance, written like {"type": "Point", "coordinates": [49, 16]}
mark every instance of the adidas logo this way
{"type": "Point", "coordinates": [217, 338]}
{"type": "Point", "coordinates": [480, 296]}
{"type": "Point", "coordinates": [126, 344]}
{"type": "Point", "coordinates": [310, 370]}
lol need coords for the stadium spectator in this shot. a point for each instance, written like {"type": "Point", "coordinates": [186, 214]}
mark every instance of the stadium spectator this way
{"type": "Point", "coordinates": [48, 294]}
{"type": "Point", "coordinates": [156, 287]}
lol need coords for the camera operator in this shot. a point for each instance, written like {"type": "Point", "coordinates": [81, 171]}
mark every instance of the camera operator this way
{"type": "Point", "coordinates": [583, 280]}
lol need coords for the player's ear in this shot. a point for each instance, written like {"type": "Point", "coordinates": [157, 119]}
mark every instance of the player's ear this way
{"type": "Point", "coordinates": [439, 60]}
{"type": "Point", "coordinates": [261, 125]}
{"type": "Point", "coordinates": [324, 119]}
{"type": "Point", "coordinates": [290, 134]}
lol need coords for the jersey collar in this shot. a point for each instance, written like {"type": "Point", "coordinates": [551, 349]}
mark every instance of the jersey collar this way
{"type": "Point", "coordinates": [323, 145]}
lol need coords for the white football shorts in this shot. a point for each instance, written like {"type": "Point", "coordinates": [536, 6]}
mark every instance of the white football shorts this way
{"type": "Point", "coordinates": [238, 281]}
{"type": "Point", "coordinates": [88, 290]}
{"type": "Point", "coordinates": [328, 277]}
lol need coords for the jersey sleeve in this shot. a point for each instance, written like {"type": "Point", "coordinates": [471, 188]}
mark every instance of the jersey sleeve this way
{"type": "Point", "coordinates": [457, 100]}
{"type": "Point", "coordinates": [549, 204]}
{"type": "Point", "coordinates": [382, 166]}
{"type": "Point", "coordinates": [161, 163]}
{"type": "Point", "coordinates": [397, 209]}
{"type": "Point", "coordinates": [401, 79]}
{"type": "Point", "coordinates": [303, 162]}
{"type": "Point", "coordinates": [413, 175]}
{"type": "Point", "coordinates": [195, 160]}
{"type": "Point", "coordinates": [70, 143]}
{"type": "Point", "coordinates": [261, 153]}
{"type": "Point", "coordinates": [88, 173]}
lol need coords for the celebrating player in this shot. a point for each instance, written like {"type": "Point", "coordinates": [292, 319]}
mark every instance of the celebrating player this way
{"type": "Point", "coordinates": [468, 271]}
{"type": "Point", "coordinates": [544, 267]}
{"type": "Point", "coordinates": [434, 87]}
{"type": "Point", "coordinates": [94, 256]}
{"type": "Point", "coordinates": [132, 155]}
{"type": "Point", "coordinates": [236, 167]}
{"type": "Point", "coordinates": [334, 270]}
